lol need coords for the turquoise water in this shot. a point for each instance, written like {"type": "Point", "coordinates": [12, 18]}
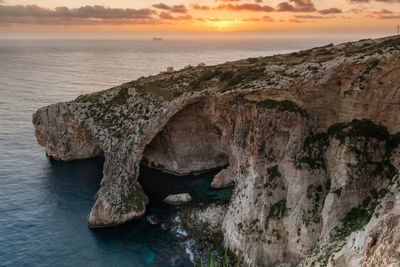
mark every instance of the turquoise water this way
{"type": "Point", "coordinates": [158, 185]}
{"type": "Point", "coordinates": [44, 204]}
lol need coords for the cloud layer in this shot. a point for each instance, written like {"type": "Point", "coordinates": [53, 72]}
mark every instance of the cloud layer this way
{"type": "Point", "coordinates": [33, 14]}
{"type": "Point", "coordinates": [174, 9]}
{"type": "Point", "coordinates": [249, 11]}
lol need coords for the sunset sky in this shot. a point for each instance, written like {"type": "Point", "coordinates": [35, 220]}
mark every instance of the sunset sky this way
{"type": "Point", "coordinates": [212, 16]}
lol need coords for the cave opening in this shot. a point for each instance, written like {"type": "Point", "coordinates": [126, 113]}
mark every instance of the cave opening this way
{"type": "Point", "coordinates": [184, 157]}
{"type": "Point", "coordinates": [158, 184]}
{"type": "Point", "coordinates": [189, 143]}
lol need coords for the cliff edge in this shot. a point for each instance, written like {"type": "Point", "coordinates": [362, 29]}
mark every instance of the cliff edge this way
{"type": "Point", "coordinates": [310, 141]}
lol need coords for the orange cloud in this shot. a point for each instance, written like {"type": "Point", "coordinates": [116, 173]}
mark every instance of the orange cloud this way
{"type": "Point", "coordinates": [332, 10]}
{"type": "Point", "coordinates": [382, 11]}
{"type": "Point", "coordinates": [310, 17]}
{"type": "Point", "coordinates": [199, 7]}
{"type": "Point", "coordinates": [174, 9]}
{"type": "Point", "coordinates": [296, 6]}
{"type": "Point", "coordinates": [382, 1]}
{"type": "Point", "coordinates": [246, 7]}
{"type": "Point", "coordinates": [168, 16]}
{"type": "Point", "coordinates": [264, 18]}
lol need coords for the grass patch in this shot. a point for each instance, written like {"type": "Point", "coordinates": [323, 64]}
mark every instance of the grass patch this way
{"type": "Point", "coordinates": [241, 75]}
{"type": "Point", "coordinates": [203, 78]}
{"type": "Point", "coordinates": [282, 106]}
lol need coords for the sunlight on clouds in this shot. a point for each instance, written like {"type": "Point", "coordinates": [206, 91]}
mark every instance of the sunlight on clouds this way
{"type": "Point", "coordinates": [223, 24]}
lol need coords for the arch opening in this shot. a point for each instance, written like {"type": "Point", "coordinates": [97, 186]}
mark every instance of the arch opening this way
{"type": "Point", "coordinates": [188, 144]}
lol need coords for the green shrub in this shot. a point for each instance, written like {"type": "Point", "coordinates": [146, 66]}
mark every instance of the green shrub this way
{"type": "Point", "coordinates": [121, 96]}
{"type": "Point", "coordinates": [284, 105]}
{"type": "Point", "coordinates": [314, 148]}
{"type": "Point", "coordinates": [364, 128]}
{"type": "Point", "coordinates": [252, 60]}
{"type": "Point", "coordinates": [227, 75]}
{"type": "Point", "coordinates": [213, 262]}
{"type": "Point", "coordinates": [276, 211]}
{"type": "Point", "coordinates": [393, 142]}
{"type": "Point", "coordinates": [273, 173]}
{"type": "Point", "coordinates": [354, 220]}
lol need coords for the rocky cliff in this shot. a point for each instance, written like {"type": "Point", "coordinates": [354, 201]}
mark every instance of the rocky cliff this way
{"type": "Point", "coordinates": [308, 139]}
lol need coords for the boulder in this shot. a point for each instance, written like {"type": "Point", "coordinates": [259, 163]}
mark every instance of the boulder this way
{"type": "Point", "coordinates": [178, 199]}
{"type": "Point", "coordinates": [164, 226]}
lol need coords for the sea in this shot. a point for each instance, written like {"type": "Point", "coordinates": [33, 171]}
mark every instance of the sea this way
{"type": "Point", "coordinates": [44, 203]}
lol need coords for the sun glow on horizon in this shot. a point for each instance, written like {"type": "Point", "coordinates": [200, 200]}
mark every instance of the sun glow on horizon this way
{"type": "Point", "coordinates": [224, 24]}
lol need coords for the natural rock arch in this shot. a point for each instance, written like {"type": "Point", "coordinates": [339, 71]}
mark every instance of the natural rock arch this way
{"type": "Point", "coordinates": [275, 150]}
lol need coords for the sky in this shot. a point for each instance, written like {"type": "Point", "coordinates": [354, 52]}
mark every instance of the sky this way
{"type": "Point", "coordinates": [105, 17]}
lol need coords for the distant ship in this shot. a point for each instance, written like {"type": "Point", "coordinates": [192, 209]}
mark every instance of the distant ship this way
{"type": "Point", "coordinates": [157, 39]}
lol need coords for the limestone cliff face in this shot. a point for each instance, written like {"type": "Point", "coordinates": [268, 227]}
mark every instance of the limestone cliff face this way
{"type": "Point", "coordinates": [308, 140]}
{"type": "Point", "coordinates": [64, 137]}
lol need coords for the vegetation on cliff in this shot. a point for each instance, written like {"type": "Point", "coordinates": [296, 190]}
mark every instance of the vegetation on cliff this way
{"type": "Point", "coordinates": [281, 106]}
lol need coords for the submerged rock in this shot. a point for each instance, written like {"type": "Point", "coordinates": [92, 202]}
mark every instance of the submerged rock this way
{"type": "Point", "coordinates": [178, 199]}
{"type": "Point", "coordinates": [164, 226]}
{"type": "Point", "coordinates": [152, 219]}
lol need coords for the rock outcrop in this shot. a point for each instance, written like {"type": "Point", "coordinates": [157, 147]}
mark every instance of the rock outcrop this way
{"type": "Point", "coordinates": [308, 139]}
{"type": "Point", "coordinates": [63, 137]}
{"type": "Point", "coordinates": [202, 224]}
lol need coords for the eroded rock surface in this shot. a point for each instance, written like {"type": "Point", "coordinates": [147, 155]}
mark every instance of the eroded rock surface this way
{"type": "Point", "coordinates": [63, 136]}
{"type": "Point", "coordinates": [308, 139]}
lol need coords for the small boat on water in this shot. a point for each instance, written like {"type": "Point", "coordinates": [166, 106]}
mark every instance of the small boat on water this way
{"type": "Point", "coordinates": [157, 39]}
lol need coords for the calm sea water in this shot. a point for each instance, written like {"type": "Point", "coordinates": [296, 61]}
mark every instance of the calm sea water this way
{"type": "Point", "coordinates": [44, 204]}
